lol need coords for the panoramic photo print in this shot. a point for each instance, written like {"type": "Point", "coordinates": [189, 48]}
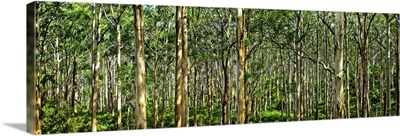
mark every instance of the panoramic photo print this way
{"type": "Point", "coordinates": [106, 67]}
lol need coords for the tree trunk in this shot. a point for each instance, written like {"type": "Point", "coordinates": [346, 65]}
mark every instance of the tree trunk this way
{"type": "Point", "coordinates": [155, 94]}
{"type": "Point", "coordinates": [209, 88]}
{"type": "Point", "coordinates": [347, 68]}
{"type": "Point", "coordinates": [317, 89]}
{"type": "Point", "coordinates": [38, 106]}
{"type": "Point", "coordinates": [180, 79]}
{"type": "Point", "coordinates": [388, 71]}
{"type": "Point", "coordinates": [195, 97]}
{"type": "Point", "coordinates": [106, 67]}
{"type": "Point", "coordinates": [141, 119]}
{"type": "Point", "coordinates": [185, 68]}
{"type": "Point", "coordinates": [164, 93]}
{"type": "Point", "coordinates": [363, 45]}
{"type": "Point", "coordinates": [298, 68]}
{"type": "Point", "coordinates": [326, 72]}
{"type": "Point", "coordinates": [119, 92]}
{"type": "Point", "coordinates": [339, 35]}
{"type": "Point", "coordinates": [95, 68]}
{"type": "Point", "coordinates": [240, 54]}
{"type": "Point", "coordinates": [226, 98]}
{"type": "Point", "coordinates": [74, 87]}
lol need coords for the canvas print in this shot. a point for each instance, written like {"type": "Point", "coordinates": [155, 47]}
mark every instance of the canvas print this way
{"type": "Point", "coordinates": [106, 67]}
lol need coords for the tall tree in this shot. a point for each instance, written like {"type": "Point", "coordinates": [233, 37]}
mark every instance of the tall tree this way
{"type": "Point", "coordinates": [240, 57]}
{"type": "Point", "coordinates": [141, 118]}
{"type": "Point", "coordinates": [389, 65]}
{"type": "Point", "coordinates": [185, 67]}
{"type": "Point", "coordinates": [38, 129]}
{"type": "Point", "coordinates": [95, 65]}
{"type": "Point", "coordinates": [339, 35]}
{"type": "Point", "coordinates": [298, 46]}
{"type": "Point", "coordinates": [119, 94]}
{"type": "Point", "coordinates": [181, 67]}
{"type": "Point", "coordinates": [362, 39]}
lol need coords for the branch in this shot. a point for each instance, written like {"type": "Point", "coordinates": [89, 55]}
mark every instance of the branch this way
{"type": "Point", "coordinates": [105, 14]}
{"type": "Point", "coordinates": [370, 22]}
{"type": "Point", "coordinates": [320, 62]}
{"type": "Point", "coordinates": [313, 60]}
{"type": "Point", "coordinates": [101, 38]}
{"type": "Point", "coordinates": [327, 25]}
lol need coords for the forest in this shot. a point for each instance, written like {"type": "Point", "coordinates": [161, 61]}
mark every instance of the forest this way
{"type": "Point", "coordinates": [105, 67]}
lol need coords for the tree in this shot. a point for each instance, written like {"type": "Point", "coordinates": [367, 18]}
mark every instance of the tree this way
{"type": "Point", "coordinates": [118, 66]}
{"type": "Point", "coordinates": [38, 106]}
{"type": "Point", "coordinates": [95, 65]}
{"type": "Point", "coordinates": [141, 118]}
{"type": "Point", "coordinates": [298, 46]}
{"type": "Point", "coordinates": [389, 65]}
{"type": "Point", "coordinates": [280, 58]}
{"type": "Point", "coordinates": [240, 56]}
{"type": "Point", "coordinates": [181, 67]}
{"type": "Point", "coordinates": [339, 36]}
{"type": "Point", "coordinates": [362, 42]}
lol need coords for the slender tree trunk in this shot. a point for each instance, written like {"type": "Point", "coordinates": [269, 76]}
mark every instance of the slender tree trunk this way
{"type": "Point", "coordinates": [388, 71]}
{"type": "Point", "coordinates": [155, 93]}
{"type": "Point", "coordinates": [141, 118]}
{"type": "Point", "coordinates": [95, 67]}
{"type": "Point", "coordinates": [347, 68]}
{"type": "Point", "coordinates": [185, 68]}
{"type": "Point", "coordinates": [74, 87]}
{"type": "Point", "coordinates": [227, 92]}
{"type": "Point", "coordinates": [119, 65]}
{"type": "Point", "coordinates": [289, 83]}
{"type": "Point", "coordinates": [298, 68]}
{"type": "Point", "coordinates": [57, 77]}
{"type": "Point", "coordinates": [363, 44]}
{"type": "Point", "coordinates": [164, 93]}
{"type": "Point", "coordinates": [226, 98]}
{"type": "Point", "coordinates": [284, 94]}
{"type": "Point", "coordinates": [201, 94]}
{"type": "Point", "coordinates": [240, 54]}
{"type": "Point", "coordinates": [339, 35]}
{"type": "Point", "coordinates": [317, 89]}
{"type": "Point", "coordinates": [106, 67]}
{"type": "Point", "coordinates": [195, 97]}
{"type": "Point", "coordinates": [179, 87]}
{"type": "Point", "coordinates": [326, 72]}
{"type": "Point", "coordinates": [209, 88]}
{"type": "Point", "coordinates": [38, 106]}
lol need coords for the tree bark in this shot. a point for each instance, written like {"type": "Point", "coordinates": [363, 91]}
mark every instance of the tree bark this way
{"type": "Point", "coordinates": [95, 68]}
{"type": "Point", "coordinates": [388, 64]}
{"type": "Point", "coordinates": [179, 87]}
{"type": "Point", "coordinates": [240, 57]}
{"type": "Point", "coordinates": [326, 72]}
{"type": "Point", "coordinates": [119, 92]}
{"type": "Point", "coordinates": [74, 87]}
{"type": "Point", "coordinates": [185, 68]}
{"type": "Point", "coordinates": [339, 35]}
{"type": "Point", "coordinates": [317, 89]}
{"type": "Point", "coordinates": [298, 68]}
{"type": "Point", "coordinates": [141, 118]}
{"type": "Point", "coordinates": [38, 122]}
